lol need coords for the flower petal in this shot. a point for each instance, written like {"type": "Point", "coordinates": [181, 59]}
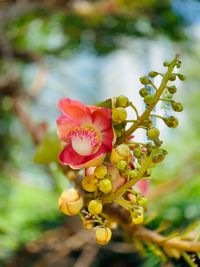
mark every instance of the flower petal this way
{"type": "Point", "coordinates": [64, 124]}
{"type": "Point", "coordinates": [101, 119]}
{"type": "Point", "coordinates": [108, 137]}
{"type": "Point", "coordinates": [69, 157]}
{"type": "Point", "coordinates": [75, 110]}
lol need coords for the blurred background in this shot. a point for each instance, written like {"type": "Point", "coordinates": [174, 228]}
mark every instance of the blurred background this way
{"type": "Point", "coordinates": [90, 50]}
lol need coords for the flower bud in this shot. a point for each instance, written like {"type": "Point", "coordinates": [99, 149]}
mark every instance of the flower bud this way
{"type": "Point", "coordinates": [103, 235]}
{"type": "Point", "coordinates": [153, 133]}
{"type": "Point", "coordinates": [143, 201]}
{"type": "Point", "coordinates": [172, 89]}
{"type": "Point", "coordinates": [172, 77]}
{"type": "Point", "coordinates": [153, 74]}
{"type": "Point", "coordinates": [95, 207]}
{"type": "Point", "coordinates": [100, 171]}
{"type": "Point", "coordinates": [143, 92]}
{"type": "Point", "coordinates": [90, 183]}
{"type": "Point", "coordinates": [122, 101]}
{"type": "Point", "coordinates": [181, 77]}
{"type": "Point", "coordinates": [137, 152]}
{"type": "Point", "coordinates": [178, 107]}
{"type": "Point", "coordinates": [70, 202]}
{"type": "Point", "coordinates": [105, 186]}
{"type": "Point", "coordinates": [88, 224]}
{"type": "Point", "coordinates": [121, 165]}
{"type": "Point", "coordinates": [133, 174]}
{"type": "Point", "coordinates": [148, 100]}
{"type": "Point", "coordinates": [138, 219]}
{"type": "Point", "coordinates": [144, 80]}
{"type": "Point", "coordinates": [121, 152]}
{"type": "Point", "coordinates": [119, 114]}
{"type": "Point", "coordinates": [171, 122]}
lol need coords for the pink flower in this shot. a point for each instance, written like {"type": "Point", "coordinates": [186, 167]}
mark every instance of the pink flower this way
{"type": "Point", "coordinates": [87, 132]}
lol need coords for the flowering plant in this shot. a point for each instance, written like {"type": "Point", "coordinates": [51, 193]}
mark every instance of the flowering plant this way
{"type": "Point", "coordinates": [111, 188]}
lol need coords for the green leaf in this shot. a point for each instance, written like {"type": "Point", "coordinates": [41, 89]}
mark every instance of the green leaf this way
{"type": "Point", "coordinates": [47, 151]}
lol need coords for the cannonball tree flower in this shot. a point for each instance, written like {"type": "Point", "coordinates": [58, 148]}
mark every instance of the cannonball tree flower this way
{"type": "Point", "coordinates": [87, 132]}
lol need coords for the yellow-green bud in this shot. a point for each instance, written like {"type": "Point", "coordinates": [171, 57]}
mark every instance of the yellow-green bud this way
{"type": "Point", "coordinates": [121, 165]}
{"type": "Point", "coordinates": [133, 174]}
{"type": "Point", "coordinates": [181, 77]}
{"type": "Point", "coordinates": [121, 152]}
{"type": "Point", "coordinates": [144, 80]}
{"type": "Point", "coordinates": [138, 219]}
{"type": "Point", "coordinates": [90, 183]}
{"type": "Point", "coordinates": [105, 186]}
{"type": "Point", "coordinates": [153, 74]}
{"type": "Point", "coordinates": [122, 101]}
{"type": "Point", "coordinates": [172, 89]}
{"type": "Point", "coordinates": [178, 107]}
{"type": "Point", "coordinates": [103, 235]}
{"type": "Point", "coordinates": [143, 201]}
{"type": "Point", "coordinates": [171, 122]}
{"type": "Point", "coordinates": [153, 133]}
{"type": "Point", "coordinates": [137, 152]}
{"type": "Point", "coordinates": [148, 99]}
{"type": "Point", "coordinates": [70, 202]}
{"type": "Point", "coordinates": [119, 114]}
{"type": "Point", "coordinates": [143, 92]}
{"type": "Point", "coordinates": [95, 207]}
{"type": "Point", "coordinates": [100, 171]}
{"type": "Point", "coordinates": [172, 77]}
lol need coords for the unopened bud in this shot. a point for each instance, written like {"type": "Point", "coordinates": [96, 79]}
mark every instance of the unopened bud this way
{"type": "Point", "coordinates": [88, 224]}
{"type": "Point", "coordinates": [95, 207]}
{"type": "Point", "coordinates": [153, 133]}
{"type": "Point", "coordinates": [90, 183]}
{"type": "Point", "coordinates": [172, 77]}
{"type": "Point", "coordinates": [153, 74]}
{"type": "Point", "coordinates": [178, 107]}
{"type": "Point", "coordinates": [119, 114]}
{"type": "Point", "coordinates": [143, 92]}
{"type": "Point", "coordinates": [70, 202]}
{"type": "Point", "coordinates": [121, 152]}
{"type": "Point", "coordinates": [138, 219]}
{"type": "Point", "coordinates": [148, 100]}
{"type": "Point", "coordinates": [181, 77]}
{"type": "Point", "coordinates": [105, 186]}
{"type": "Point", "coordinates": [143, 201]}
{"type": "Point", "coordinates": [133, 174]}
{"type": "Point", "coordinates": [137, 152]}
{"type": "Point", "coordinates": [172, 89]}
{"type": "Point", "coordinates": [144, 80]}
{"type": "Point", "coordinates": [171, 122]}
{"type": "Point", "coordinates": [121, 165]}
{"type": "Point", "coordinates": [103, 235]}
{"type": "Point", "coordinates": [122, 101]}
{"type": "Point", "coordinates": [100, 171]}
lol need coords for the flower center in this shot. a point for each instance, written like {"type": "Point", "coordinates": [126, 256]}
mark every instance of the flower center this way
{"type": "Point", "coordinates": [85, 140]}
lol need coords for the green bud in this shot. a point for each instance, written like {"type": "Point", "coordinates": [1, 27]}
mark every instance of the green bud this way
{"type": "Point", "coordinates": [158, 157]}
{"type": "Point", "coordinates": [133, 174]}
{"type": "Point", "coordinates": [153, 133]}
{"type": "Point", "coordinates": [172, 77]}
{"type": "Point", "coordinates": [172, 89]}
{"type": "Point", "coordinates": [166, 64]}
{"type": "Point", "coordinates": [143, 92]}
{"type": "Point", "coordinates": [178, 64]}
{"type": "Point", "coordinates": [144, 80]}
{"type": "Point", "coordinates": [105, 185]}
{"type": "Point", "coordinates": [171, 122]}
{"type": "Point", "coordinates": [178, 107]}
{"type": "Point", "coordinates": [143, 201]}
{"type": "Point", "coordinates": [119, 114]}
{"type": "Point", "coordinates": [148, 100]}
{"type": "Point", "coordinates": [181, 77]}
{"type": "Point", "coordinates": [153, 74]}
{"type": "Point", "coordinates": [137, 152]}
{"type": "Point", "coordinates": [147, 122]}
{"type": "Point", "coordinates": [122, 101]}
{"type": "Point", "coordinates": [121, 165]}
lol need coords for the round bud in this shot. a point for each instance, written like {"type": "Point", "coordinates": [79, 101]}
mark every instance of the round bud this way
{"type": "Point", "coordinates": [90, 183]}
{"type": "Point", "coordinates": [181, 77]}
{"type": "Point", "coordinates": [148, 100]}
{"type": "Point", "coordinates": [95, 207]}
{"type": "Point", "coordinates": [137, 152]}
{"type": "Point", "coordinates": [138, 219]}
{"type": "Point", "coordinates": [105, 186]}
{"type": "Point", "coordinates": [153, 74]}
{"type": "Point", "coordinates": [121, 152]}
{"type": "Point", "coordinates": [153, 133]}
{"type": "Point", "coordinates": [119, 114]}
{"type": "Point", "coordinates": [70, 202]}
{"type": "Point", "coordinates": [144, 80]}
{"type": "Point", "coordinates": [88, 224]}
{"type": "Point", "coordinates": [100, 171]}
{"type": "Point", "coordinates": [122, 101]}
{"type": "Point", "coordinates": [143, 201]}
{"type": "Point", "coordinates": [103, 235]}
{"type": "Point", "coordinates": [121, 165]}
{"type": "Point", "coordinates": [172, 77]}
{"type": "Point", "coordinates": [178, 107]}
{"type": "Point", "coordinates": [133, 174]}
{"type": "Point", "coordinates": [171, 122]}
{"type": "Point", "coordinates": [172, 89]}
{"type": "Point", "coordinates": [143, 92]}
